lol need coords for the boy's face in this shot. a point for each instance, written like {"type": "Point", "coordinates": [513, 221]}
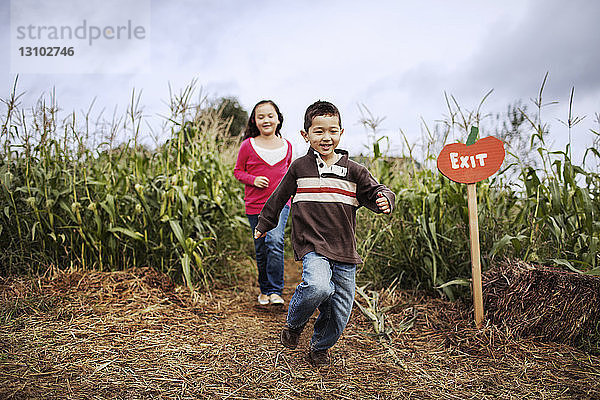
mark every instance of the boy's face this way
{"type": "Point", "coordinates": [324, 135]}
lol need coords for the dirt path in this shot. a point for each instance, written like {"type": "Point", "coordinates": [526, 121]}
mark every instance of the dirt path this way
{"type": "Point", "coordinates": [133, 335]}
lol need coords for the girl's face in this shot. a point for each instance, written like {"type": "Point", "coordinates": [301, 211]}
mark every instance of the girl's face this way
{"type": "Point", "coordinates": [266, 119]}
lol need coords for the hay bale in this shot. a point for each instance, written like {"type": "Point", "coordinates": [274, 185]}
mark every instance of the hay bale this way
{"type": "Point", "coordinates": [544, 302]}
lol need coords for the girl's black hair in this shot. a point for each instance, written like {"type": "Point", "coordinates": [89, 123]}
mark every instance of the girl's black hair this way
{"type": "Point", "coordinates": [252, 129]}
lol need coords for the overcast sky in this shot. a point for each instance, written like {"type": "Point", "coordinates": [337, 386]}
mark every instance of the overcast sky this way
{"type": "Point", "coordinates": [396, 57]}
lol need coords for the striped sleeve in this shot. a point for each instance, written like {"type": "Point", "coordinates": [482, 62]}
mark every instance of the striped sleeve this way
{"type": "Point", "coordinates": [367, 189]}
{"type": "Point", "coordinates": [269, 216]}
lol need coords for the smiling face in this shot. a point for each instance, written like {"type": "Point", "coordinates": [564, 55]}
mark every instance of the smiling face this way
{"type": "Point", "coordinates": [266, 119]}
{"type": "Point", "coordinates": [324, 135]}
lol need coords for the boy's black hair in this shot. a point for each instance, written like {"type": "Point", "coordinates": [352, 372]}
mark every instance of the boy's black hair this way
{"type": "Point", "coordinates": [318, 109]}
{"type": "Point", "coordinates": [251, 128]}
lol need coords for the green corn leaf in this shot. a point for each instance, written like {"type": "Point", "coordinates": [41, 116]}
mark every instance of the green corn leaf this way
{"type": "Point", "coordinates": [187, 272]}
{"type": "Point", "coordinates": [593, 272]}
{"type": "Point", "coordinates": [566, 263]}
{"type": "Point", "coordinates": [33, 230]}
{"type": "Point", "coordinates": [176, 228]}
{"type": "Point", "coordinates": [366, 311]}
{"type": "Point", "coordinates": [505, 241]}
{"type": "Point", "coordinates": [458, 282]}
{"type": "Point", "coordinates": [127, 232]}
{"type": "Point", "coordinates": [592, 150]}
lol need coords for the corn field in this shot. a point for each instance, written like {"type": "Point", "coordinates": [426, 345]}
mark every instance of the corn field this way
{"type": "Point", "coordinates": [67, 201]}
{"type": "Point", "coordinates": [549, 213]}
{"type": "Point", "coordinates": [176, 208]}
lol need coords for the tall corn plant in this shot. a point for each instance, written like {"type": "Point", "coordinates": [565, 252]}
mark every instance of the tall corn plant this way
{"type": "Point", "coordinates": [563, 203]}
{"type": "Point", "coordinates": [111, 207]}
{"type": "Point", "coordinates": [549, 215]}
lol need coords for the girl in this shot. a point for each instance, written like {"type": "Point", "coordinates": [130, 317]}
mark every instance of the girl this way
{"type": "Point", "coordinates": [263, 160]}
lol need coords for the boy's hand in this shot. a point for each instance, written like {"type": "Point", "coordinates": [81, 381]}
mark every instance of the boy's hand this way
{"type": "Point", "coordinates": [383, 203]}
{"type": "Point", "coordinates": [258, 234]}
{"type": "Point", "coordinates": [261, 182]}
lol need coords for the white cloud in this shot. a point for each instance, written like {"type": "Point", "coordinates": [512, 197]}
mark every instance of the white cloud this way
{"type": "Point", "coordinates": [396, 57]}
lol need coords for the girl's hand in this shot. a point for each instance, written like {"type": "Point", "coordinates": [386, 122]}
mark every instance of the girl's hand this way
{"type": "Point", "coordinates": [261, 182]}
{"type": "Point", "coordinates": [258, 234]}
{"type": "Point", "coordinates": [383, 203]}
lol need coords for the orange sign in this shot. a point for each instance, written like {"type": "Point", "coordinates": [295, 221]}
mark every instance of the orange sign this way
{"type": "Point", "coordinates": [474, 163]}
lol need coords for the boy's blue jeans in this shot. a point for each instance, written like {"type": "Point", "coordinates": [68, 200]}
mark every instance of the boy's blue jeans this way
{"type": "Point", "coordinates": [269, 254]}
{"type": "Point", "coordinates": [328, 286]}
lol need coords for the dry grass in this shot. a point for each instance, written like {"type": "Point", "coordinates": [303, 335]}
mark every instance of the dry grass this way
{"type": "Point", "coordinates": [547, 303]}
{"type": "Point", "coordinates": [134, 335]}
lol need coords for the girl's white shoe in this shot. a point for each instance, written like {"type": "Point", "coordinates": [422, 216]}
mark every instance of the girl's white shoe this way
{"type": "Point", "coordinates": [274, 298]}
{"type": "Point", "coordinates": [263, 299]}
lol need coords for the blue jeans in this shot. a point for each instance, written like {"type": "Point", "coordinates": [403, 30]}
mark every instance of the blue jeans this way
{"type": "Point", "coordinates": [269, 254]}
{"type": "Point", "coordinates": [328, 286]}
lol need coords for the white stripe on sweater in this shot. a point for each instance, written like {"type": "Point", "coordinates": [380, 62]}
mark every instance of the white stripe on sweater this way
{"type": "Point", "coordinates": [326, 182]}
{"type": "Point", "coordinates": [326, 198]}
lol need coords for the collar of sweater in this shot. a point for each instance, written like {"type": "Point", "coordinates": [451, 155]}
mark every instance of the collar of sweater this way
{"type": "Point", "coordinates": [343, 161]}
{"type": "Point", "coordinates": [339, 168]}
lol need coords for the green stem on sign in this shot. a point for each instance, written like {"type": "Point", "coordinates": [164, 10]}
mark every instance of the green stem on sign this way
{"type": "Point", "coordinates": [472, 136]}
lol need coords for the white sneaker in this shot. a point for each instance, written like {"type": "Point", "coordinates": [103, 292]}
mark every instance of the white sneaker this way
{"type": "Point", "coordinates": [274, 298]}
{"type": "Point", "coordinates": [263, 299]}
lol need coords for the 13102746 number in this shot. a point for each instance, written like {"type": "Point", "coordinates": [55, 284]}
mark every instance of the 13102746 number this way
{"type": "Point", "coordinates": [49, 51]}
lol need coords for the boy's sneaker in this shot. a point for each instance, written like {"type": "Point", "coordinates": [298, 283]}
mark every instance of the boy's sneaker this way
{"type": "Point", "coordinates": [318, 358]}
{"type": "Point", "coordinates": [289, 337]}
{"type": "Point", "coordinates": [263, 299]}
{"type": "Point", "coordinates": [275, 299]}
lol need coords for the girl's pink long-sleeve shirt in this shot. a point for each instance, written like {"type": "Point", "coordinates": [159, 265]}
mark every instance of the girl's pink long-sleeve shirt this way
{"type": "Point", "coordinates": [249, 165]}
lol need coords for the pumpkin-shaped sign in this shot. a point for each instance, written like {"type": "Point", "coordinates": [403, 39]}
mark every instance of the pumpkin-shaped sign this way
{"type": "Point", "coordinates": [474, 163]}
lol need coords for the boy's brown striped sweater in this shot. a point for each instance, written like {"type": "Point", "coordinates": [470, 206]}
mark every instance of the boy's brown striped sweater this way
{"type": "Point", "coordinates": [324, 207]}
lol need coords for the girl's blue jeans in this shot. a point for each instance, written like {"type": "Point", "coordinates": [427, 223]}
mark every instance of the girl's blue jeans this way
{"type": "Point", "coordinates": [269, 254]}
{"type": "Point", "coordinates": [328, 286]}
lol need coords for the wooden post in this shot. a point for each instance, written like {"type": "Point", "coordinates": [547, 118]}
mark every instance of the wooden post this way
{"type": "Point", "coordinates": [475, 256]}
{"type": "Point", "coordinates": [470, 163]}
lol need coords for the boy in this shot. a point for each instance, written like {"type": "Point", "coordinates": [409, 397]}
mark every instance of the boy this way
{"type": "Point", "coordinates": [328, 188]}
